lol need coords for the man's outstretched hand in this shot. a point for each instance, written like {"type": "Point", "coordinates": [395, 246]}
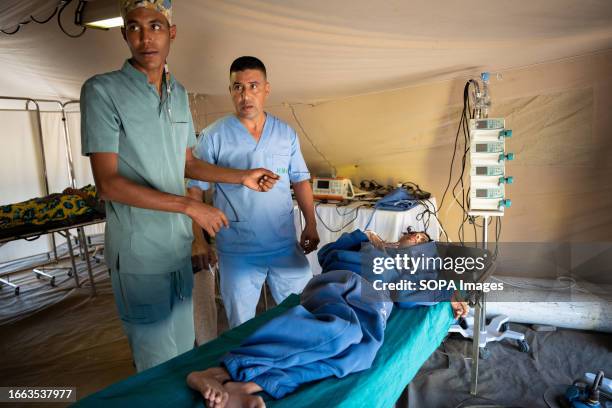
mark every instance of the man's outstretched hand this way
{"type": "Point", "coordinates": [260, 179]}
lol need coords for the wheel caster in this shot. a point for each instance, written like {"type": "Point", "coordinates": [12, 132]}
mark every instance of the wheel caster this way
{"type": "Point", "coordinates": [484, 353]}
{"type": "Point", "coordinates": [53, 281]}
{"type": "Point", "coordinates": [523, 346]}
{"type": "Point", "coordinates": [17, 291]}
{"type": "Point", "coordinates": [37, 276]}
{"type": "Point", "coordinates": [504, 327]}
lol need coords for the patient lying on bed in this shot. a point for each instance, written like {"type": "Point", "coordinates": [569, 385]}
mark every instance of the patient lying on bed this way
{"type": "Point", "coordinates": [336, 330]}
{"type": "Point", "coordinates": [71, 203]}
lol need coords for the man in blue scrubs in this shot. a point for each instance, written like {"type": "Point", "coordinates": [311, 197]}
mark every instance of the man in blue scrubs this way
{"type": "Point", "coordinates": [137, 131]}
{"type": "Point", "coordinates": [260, 243]}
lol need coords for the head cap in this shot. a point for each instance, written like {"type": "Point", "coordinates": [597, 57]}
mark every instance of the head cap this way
{"type": "Point", "coordinates": [161, 6]}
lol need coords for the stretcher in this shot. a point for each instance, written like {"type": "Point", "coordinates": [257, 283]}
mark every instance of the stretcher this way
{"type": "Point", "coordinates": [411, 336]}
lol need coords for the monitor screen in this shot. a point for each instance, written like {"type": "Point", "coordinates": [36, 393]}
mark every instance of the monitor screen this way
{"type": "Point", "coordinates": [323, 184]}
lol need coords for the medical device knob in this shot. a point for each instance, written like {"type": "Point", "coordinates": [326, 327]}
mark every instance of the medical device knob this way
{"type": "Point", "coordinates": [505, 133]}
{"type": "Point", "coordinates": [509, 156]}
{"type": "Point", "coordinates": [505, 203]}
{"type": "Point", "coordinates": [506, 180]}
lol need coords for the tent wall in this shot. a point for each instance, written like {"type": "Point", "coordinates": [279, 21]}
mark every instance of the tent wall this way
{"type": "Point", "coordinates": [560, 114]}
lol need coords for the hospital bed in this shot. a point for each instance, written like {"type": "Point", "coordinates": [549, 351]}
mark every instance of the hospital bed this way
{"type": "Point", "coordinates": [15, 231]}
{"type": "Point", "coordinates": [31, 219]}
{"type": "Point", "coordinates": [411, 336]}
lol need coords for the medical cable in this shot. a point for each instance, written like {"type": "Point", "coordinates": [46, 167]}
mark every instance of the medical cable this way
{"type": "Point", "coordinates": [343, 226]}
{"type": "Point", "coordinates": [427, 212]}
{"type": "Point", "coordinates": [310, 140]}
{"type": "Point", "coordinates": [218, 187]}
{"type": "Point", "coordinates": [463, 200]}
{"type": "Point", "coordinates": [498, 226]}
{"type": "Point", "coordinates": [369, 220]}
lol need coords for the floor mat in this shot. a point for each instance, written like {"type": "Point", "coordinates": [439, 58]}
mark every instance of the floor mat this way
{"type": "Point", "coordinates": [509, 377]}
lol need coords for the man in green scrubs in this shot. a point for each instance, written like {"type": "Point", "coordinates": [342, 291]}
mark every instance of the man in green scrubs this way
{"type": "Point", "coordinates": [138, 132]}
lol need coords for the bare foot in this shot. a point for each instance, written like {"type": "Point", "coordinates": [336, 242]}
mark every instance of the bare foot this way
{"type": "Point", "coordinates": [219, 373]}
{"type": "Point", "coordinates": [242, 387]}
{"type": "Point", "coordinates": [460, 307]}
{"type": "Point", "coordinates": [213, 392]}
{"type": "Point", "coordinates": [244, 401]}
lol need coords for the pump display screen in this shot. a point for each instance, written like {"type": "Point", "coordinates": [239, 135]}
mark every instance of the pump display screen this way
{"type": "Point", "coordinates": [481, 193]}
{"type": "Point", "coordinates": [323, 184]}
{"type": "Point", "coordinates": [481, 148]}
{"type": "Point", "coordinates": [481, 171]}
{"type": "Point", "coordinates": [481, 124]}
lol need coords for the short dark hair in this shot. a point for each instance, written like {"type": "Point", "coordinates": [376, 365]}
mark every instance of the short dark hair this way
{"type": "Point", "coordinates": [246, 62]}
{"type": "Point", "coordinates": [409, 230]}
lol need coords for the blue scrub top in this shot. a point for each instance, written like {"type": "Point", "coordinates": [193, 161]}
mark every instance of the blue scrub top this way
{"type": "Point", "coordinates": [260, 223]}
{"type": "Point", "coordinates": [121, 112]}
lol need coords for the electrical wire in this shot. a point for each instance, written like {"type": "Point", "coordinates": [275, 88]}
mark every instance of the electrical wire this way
{"type": "Point", "coordinates": [46, 20]}
{"type": "Point", "coordinates": [59, 21]}
{"type": "Point", "coordinates": [310, 140]}
{"type": "Point", "coordinates": [17, 27]}
{"type": "Point", "coordinates": [427, 213]}
{"type": "Point", "coordinates": [460, 195]}
{"type": "Point", "coordinates": [352, 210]}
{"type": "Point", "coordinates": [61, 3]}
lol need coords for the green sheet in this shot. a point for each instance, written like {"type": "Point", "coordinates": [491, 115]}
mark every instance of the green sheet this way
{"type": "Point", "coordinates": [412, 335]}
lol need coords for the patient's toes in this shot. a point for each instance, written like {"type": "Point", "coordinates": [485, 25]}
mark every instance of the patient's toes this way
{"type": "Point", "coordinates": [257, 402]}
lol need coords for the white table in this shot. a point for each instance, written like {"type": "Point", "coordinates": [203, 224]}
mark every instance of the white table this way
{"type": "Point", "coordinates": [388, 224]}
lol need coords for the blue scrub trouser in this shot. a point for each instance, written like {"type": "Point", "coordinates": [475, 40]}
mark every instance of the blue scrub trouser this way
{"type": "Point", "coordinates": [157, 314]}
{"type": "Point", "coordinates": [242, 276]}
{"type": "Point", "coordinates": [334, 332]}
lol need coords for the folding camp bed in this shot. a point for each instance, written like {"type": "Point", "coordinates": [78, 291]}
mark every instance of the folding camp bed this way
{"type": "Point", "coordinates": [410, 337]}
{"type": "Point", "coordinates": [31, 232]}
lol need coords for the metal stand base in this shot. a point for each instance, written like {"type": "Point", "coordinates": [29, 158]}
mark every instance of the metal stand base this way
{"type": "Point", "coordinates": [12, 285]}
{"type": "Point", "coordinates": [496, 330]}
{"type": "Point", "coordinates": [41, 273]}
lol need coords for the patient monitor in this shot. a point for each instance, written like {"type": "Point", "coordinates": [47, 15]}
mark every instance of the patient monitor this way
{"type": "Point", "coordinates": [338, 188]}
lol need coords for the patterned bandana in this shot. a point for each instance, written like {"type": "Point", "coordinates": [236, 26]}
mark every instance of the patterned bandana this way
{"type": "Point", "coordinates": [161, 6]}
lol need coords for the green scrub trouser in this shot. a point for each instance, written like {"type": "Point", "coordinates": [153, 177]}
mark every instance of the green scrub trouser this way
{"type": "Point", "coordinates": [157, 314]}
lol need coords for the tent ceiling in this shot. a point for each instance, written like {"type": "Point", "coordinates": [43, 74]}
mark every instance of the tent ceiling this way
{"type": "Point", "coordinates": [314, 50]}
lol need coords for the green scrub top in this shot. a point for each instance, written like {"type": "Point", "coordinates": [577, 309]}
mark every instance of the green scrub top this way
{"type": "Point", "coordinates": [122, 113]}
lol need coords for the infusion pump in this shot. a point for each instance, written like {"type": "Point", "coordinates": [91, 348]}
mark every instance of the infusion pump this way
{"type": "Point", "coordinates": [488, 158]}
{"type": "Point", "coordinates": [338, 188]}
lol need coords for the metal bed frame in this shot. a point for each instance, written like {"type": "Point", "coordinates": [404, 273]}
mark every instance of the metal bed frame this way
{"type": "Point", "coordinates": [64, 231]}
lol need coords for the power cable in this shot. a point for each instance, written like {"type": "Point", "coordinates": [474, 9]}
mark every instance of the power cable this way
{"type": "Point", "coordinates": [310, 140]}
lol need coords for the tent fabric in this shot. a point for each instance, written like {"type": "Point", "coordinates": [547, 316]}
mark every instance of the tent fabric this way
{"type": "Point", "coordinates": [316, 50]}
{"type": "Point", "coordinates": [393, 368]}
{"type": "Point", "coordinates": [377, 88]}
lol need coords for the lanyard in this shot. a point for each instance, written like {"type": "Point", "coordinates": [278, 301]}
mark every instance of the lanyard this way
{"type": "Point", "coordinates": [168, 91]}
